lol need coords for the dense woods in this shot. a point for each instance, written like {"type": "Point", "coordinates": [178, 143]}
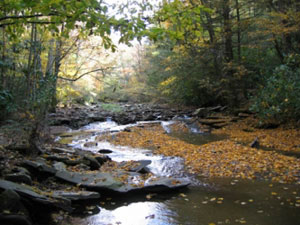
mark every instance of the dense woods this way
{"type": "Point", "coordinates": [228, 52]}
{"type": "Point", "coordinates": [197, 52]}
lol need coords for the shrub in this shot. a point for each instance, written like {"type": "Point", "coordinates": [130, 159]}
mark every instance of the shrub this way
{"type": "Point", "coordinates": [279, 99]}
{"type": "Point", "coordinates": [7, 105]}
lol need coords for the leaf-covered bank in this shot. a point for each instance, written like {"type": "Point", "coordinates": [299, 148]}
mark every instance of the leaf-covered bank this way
{"type": "Point", "coordinates": [227, 158]}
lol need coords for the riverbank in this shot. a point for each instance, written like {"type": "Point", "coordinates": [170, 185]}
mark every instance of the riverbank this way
{"type": "Point", "coordinates": [64, 177]}
{"type": "Point", "coordinates": [232, 157]}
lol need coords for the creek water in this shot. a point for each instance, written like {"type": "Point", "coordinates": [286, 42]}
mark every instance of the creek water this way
{"type": "Point", "coordinates": [205, 202]}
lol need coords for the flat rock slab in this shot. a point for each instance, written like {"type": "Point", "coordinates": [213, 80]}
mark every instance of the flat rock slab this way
{"type": "Point", "coordinates": [19, 178]}
{"type": "Point", "coordinates": [56, 130]}
{"type": "Point", "coordinates": [137, 166]}
{"type": "Point", "coordinates": [39, 167]}
{"type": "Point", "coordinates": [120, 182]}
{"type": "Point", "coordinates": [14, 220]}
{"type": "Point", "coordinates": [77, 196]}
{"type": "Point", "coordinates": [97, 181]}
{"type": "Point", "coordinates": [63, 150]}
{"type": "Point", "coordinates": [31, 194]}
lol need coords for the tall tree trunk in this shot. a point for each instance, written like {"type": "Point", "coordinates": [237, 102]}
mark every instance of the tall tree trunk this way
{"type": "Point", "coordinates": [238, 30]}
{"type": "Point", "coordinates": [50, 60]}
{"type": "Point", "coordinates": [2, 77]}
{"type": "Point", "coordinates": [227, 31]}
{"type": "Point", "coordinates": [213, 42]}
{"type": "Point", "coordinates": [57, 60]}
{"type": "Point", "coordinates": [29, 63]}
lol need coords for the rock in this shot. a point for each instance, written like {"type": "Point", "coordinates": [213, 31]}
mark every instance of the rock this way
{"type": "Point", "coordinates": [20, 169]}
{"type": "Point", "coordinates": [162, 184]}
{"type": "Point", "coordinates": [19, 178]}
{"type": "Point", "coordinates": [137, 166]}
{"type": "Point", "coordinates": [83, 166]}
{"type": "Point", "coordinates": [76, 196]}
{"type": "Point", "coordinates": [255, 143]}
{"type": "Point", "coordinates": [70, 162]}
{"type": "Point", "coordinates": [90, 144]}
{"type": "Point", "coordinates": [91, 181]}
{"type": "Point", "coordinates": [105, 151]}
{"type": "Point", "coordinates": [243, 115]}
{"type": "Point", "coordinates": [11, 202]}
{"type": "Point", "coordinates": [14, 220]}
{"type": "Point", "coordinates": [39, 167]}
{"type": "Point", "coordinates": [106, 182]}
{"type": "Point", "coordinates": [56, 130]}
{"type": "Point", "coordinates": [102, 159]}
{"type": "Point", "coordinates": [38, 198]}
{"type": "Point", "coordinates": [128, 129]}
{"type": "Point", "coordinates": [63, 150]}
{"type": "Point", "coordinates": [203, 112]}
{"type": "Point", "coordinates": [60, 166]}
{"type": "Point", "coordinates": [56, 158]}
{"type": "Point", "coordinates": [93, 163]}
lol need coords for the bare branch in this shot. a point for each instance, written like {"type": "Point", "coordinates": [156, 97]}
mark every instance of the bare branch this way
{"type": "Point", "coordinates": [69, 49]}
{"type": "Point", "coordinates": [26, 16]}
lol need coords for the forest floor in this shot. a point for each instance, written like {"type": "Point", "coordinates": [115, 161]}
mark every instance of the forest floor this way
{"type": "Point", "coordinates": [232, 157]}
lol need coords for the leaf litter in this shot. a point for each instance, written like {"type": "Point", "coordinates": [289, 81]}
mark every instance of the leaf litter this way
{"type": "Point", "coordinates": [226, 158]}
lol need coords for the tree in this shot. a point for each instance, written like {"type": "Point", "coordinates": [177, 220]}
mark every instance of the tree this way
{"type": "Point", "coordinates": [49, 24]}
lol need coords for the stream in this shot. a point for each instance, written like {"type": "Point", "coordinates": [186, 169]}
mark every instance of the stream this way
{"type": "Point", "coordinates": [205, 202]}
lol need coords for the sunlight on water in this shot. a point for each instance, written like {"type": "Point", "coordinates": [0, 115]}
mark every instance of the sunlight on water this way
{"type": "Point", "coordinates": [141, 213]}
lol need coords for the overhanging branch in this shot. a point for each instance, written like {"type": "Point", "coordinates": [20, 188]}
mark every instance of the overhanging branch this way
{"type": "Point", "coordinates": [26, 16]}
{"type": "Point", "coordinates": [84, 74]}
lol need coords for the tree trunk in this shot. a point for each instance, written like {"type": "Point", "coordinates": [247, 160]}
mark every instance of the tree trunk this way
{"type": "Point", "coordinates": [57, 60]}
{"type": "Point", "coordinates": [238, 30]}
{"type": "Point", "coordinates": [50, 60]}
{"type": "Point", "coordinates": [29, 63]}
{"type": "Point", "coordinates": [2, 78]}
{"type": "Point", "coordinates": [212, 40]}
{"type": "Point", "coordinates": [227, 31]}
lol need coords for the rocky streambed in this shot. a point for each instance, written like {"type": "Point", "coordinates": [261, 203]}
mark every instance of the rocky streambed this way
{"type": "Point", "coordinates": [66, 175]}
{"type": "Point", "coordinates": [83, 178]}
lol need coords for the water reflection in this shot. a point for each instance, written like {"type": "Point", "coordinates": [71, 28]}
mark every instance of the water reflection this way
{"type": "Point", "coordinates": [141, 213]}
{"type": "Point", "coordinates": [229, 202]}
